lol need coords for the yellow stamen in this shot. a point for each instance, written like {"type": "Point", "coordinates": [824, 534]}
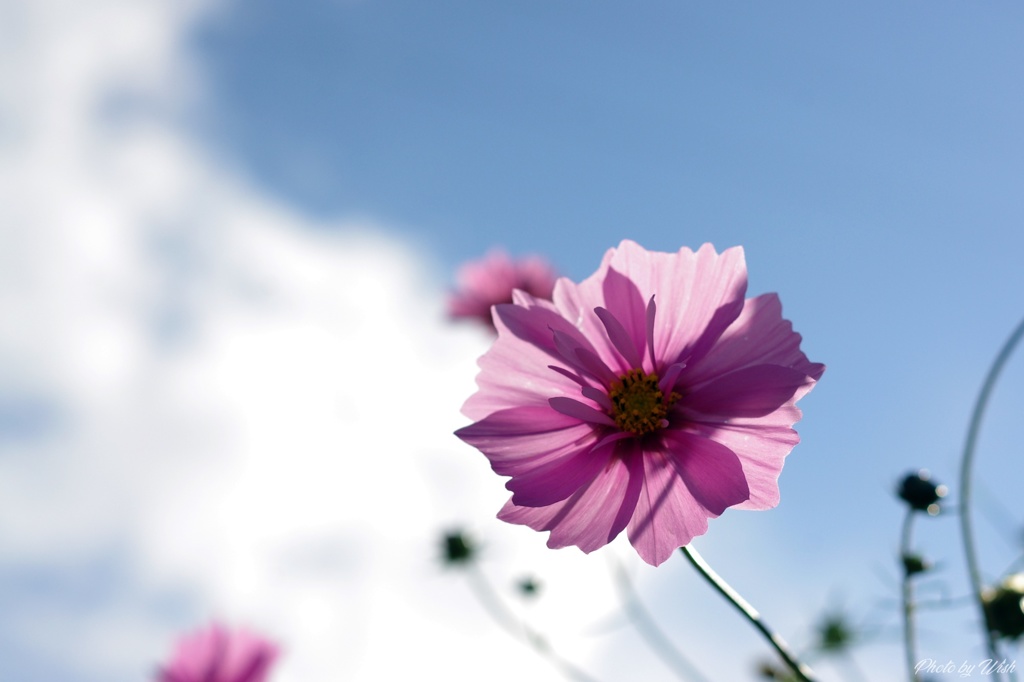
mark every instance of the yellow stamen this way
{"type": "Point", "coordinates": [638, 405]}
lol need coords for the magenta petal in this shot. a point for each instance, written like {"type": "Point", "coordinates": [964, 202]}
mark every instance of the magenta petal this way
{"type": "Point", "coordinates": [612, 437]}
{"type": "Point", "coordinates": [667, 515]}
{"type": "Point", "coordinates": [716, 302]}
{"type": "Point", "coordinates": [711, 471]}
{"type": "Point", "coordinates": [514, 373]}
{"type": "Point", "coordinates": [592, 517]}
{"type": "Point", "coordinates": [719, 322]}
{"type": "Point", "coordinates": [582, 359]}
{"type": "Point", "coordinates": [570, 375]}
{"type": "Point", "coordinates": [530, 324]}
{"type": "Point", "coordinates": [699, 294]}
{"type": "Point", "coordinates": [557, 479]}
{"type": "Point", "coordinates": [493, 279]}
{"type": "Point", "coordinates": [219, 655]}
{"type": "Point", "coordinates": [652, 311]}
{"type": "Point", "coordinates": [596, 366]}
{"type": "Point", "coordinates": [527, 420]}
{"type": "Point", "coordinates": [668, 382]}
{"type": "Point", "coordinates": [762, 450]}
{"type": "Point", "coordinates": [626, 304]}
{"type": "Point", "coordinates": [574, 408]}
{"type": "Point", "coordinates": [620, 338]}
{"type": "Point", "coordinates": [759, 336]}
{"type": "Point", "coordinates": [534, 321]}
{"type": "Point", "coordinates": [518, 439]}
{"type": "Point", "coordinates": [598, 396]}
{"type": "Point", "coordinates": [749, 392]}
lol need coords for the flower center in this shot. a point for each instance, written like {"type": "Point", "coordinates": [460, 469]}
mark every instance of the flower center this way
{"type": "Point", "coordinates": [638, 405]}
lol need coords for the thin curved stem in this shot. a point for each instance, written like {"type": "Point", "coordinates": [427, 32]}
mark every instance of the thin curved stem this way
{"type": "Point", "coordinates": [801, 670]}
{"type": "Point", "coordinates": [520, 630]}
{"type": "Point", "coordinates": [909, 639]}
{"type": "Point", "coordinates": [853, 669]}
{"type": "Point", "coordinates": [966, 464]}
{"type": "Point", "coordinates": [652, 633]}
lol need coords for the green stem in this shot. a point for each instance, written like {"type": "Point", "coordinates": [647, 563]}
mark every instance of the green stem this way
{"type": "Point", "coordinates": [853, 669]}
{"type": "Point", "coordinates": [520, 630]}
{"type": "Point", "coordinates": [909, 643]}
{"type": "Point", "coordinates": [966, 464]}
{"type": "Point", "coordinates": [652, 634]}
{"type": "Point", "coordinates": [804, 673]}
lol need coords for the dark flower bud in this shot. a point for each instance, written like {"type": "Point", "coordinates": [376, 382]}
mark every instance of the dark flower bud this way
{"type": "Point", "coordinates": [528, 587]}
{"type": "Point", "coordinates": [1004, 607]}
{"type": "Point", "coordinates": [834, 634]}
{"type": "Point", "coordinates": [914, 564]}
{"type": "Point", "coordinates": [457, 549]}
{"type": "Point", "coordinates": [919, 491]}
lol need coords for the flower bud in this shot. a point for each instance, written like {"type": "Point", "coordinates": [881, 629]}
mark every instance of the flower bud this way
{"type": "Point", "coordinates": [1004, 607]}
{"type": "Point", "coordinates": [834, 633]}
{"type": "Point", "coordinates": [919, 491]}
{"type": "Point", "coordinates": [914, 564]}
{"type": "Point", "coordinates": [457, 549]}
{"type": "Point", "coordinates": [528, 587]}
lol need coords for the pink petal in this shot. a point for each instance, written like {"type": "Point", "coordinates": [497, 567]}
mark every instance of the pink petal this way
{"type": "Point", "coordinates": [621, 339]}
{"type": "Point", "coordinates": [533, 322]}
{"type": "Point", "coordinates": [572, 376]}
{"type": "Point", "coordinates": [597, 368]}
{"type": "Point", "coordinates": [518, 439]}
{"type": "Point", "coordinates": [582, 359]}
{"type": "Point", "coordinates": [667, 515]}
{"type": "Point", "coordinates": [574, 408]}
{"type": "Point", "coordinates": [612, 437]}
{"type": "Point", "coordinates": [598, 396]}
{"type": "Point", "coordinates": [759, 336]}
{"type": "Point", "coordinates": [652, 312]}
{"type": "Point", "coordinates": [493, 279]}
{"type": "Point", "coordinates": [577, 302]}
{"type": "Point", "coordinates": [711, 471]}
{"type": "Point", "coordinates": [753, 391]}
{"type": "Point", "coordinates": [762, 449]}
{"type": "Point", "coordinates": [592, 517]}
{"type": "Point", "coordinates": [556, 479]}
{"type": "Point", "coordinates": [515, 372]}
{"type": "Point", "coordinates": [626, 305]}
{"type": "Point", "coordinates": [671, 376]}
{"type": "Point", "coordinates": [699, 294]}
{"type": "Point", "coordinates": [219, 655]}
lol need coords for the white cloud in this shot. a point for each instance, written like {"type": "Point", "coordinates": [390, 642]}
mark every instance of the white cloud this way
{"type": "Point", "coordinates": [250, 414]}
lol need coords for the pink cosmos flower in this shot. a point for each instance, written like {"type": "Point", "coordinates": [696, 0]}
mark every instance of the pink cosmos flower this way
{"type": "Point", "coordinates": [491, 280]}
{"type": "Point", "coordinates": [649, 397]}
{"type": "Point", "coordinates": [220, 655]}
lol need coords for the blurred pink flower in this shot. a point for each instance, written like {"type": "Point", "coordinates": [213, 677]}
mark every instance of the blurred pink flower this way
{"type": "Point", "coordinates": [217, 654]}
{"type": "Point", "coordinates": [650, 397]}
{"type": "Point", "coordinates": [490, 280]}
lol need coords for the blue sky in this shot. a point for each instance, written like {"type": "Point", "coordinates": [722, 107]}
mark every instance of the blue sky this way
{"type": "Point", "coordinates": [858, 126]}
{"type": "Point", "coordinates": [231, 181]}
